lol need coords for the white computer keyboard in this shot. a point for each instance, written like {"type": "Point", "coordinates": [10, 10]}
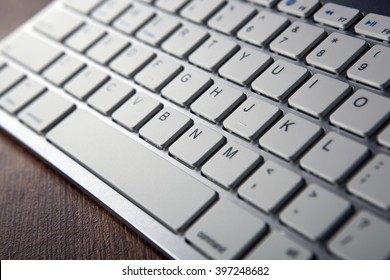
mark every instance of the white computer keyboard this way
{"type": "Point", "coordinates": [216, 129]}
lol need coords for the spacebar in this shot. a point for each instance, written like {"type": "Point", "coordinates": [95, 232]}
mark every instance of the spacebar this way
{"type": "Point", "coordinates": [163, 190]}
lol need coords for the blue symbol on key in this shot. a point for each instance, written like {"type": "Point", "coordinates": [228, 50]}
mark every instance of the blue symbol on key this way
{"type": "Point", "coordinates": [329, 12]}
{"type": "Point", "coordinates": [371, 23]}
{"type": "Point", "coordinates": [291, 2]}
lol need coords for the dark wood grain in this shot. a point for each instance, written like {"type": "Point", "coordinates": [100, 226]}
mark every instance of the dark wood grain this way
{"type": "Point", "coordinates": [42, 216]}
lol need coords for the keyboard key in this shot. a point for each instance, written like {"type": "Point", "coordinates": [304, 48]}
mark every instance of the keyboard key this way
{"type": "Point", "coordinates": [230, 165]}
{"type": "Point", "coordinates": [384, 137]}
{"type": "Point", "coordinates": [85, 37]}
{"type": "Point", "coordinates": [215, 233]}
{"type": "Point", "coordinates": [371, 68]}
{"type": "Point", "coordinates": [63, 69]}
{"type": "Point", "coordinates": [45, 112]}
{"type": "Point", "coordinates": [85, 6]}
{"type": "Point", "coordinates": [136, 111]}
{"type": "Point", "coordinates": [362, 113]}
{"type": "Point", "coordinates": [175, 204]}
{"type": "Point", "coordinates": [270, 186]}
{"type": "Point", "coordinates": [217, 102]}
{"type": "Point", "coordinates": [290, 136]}
{"type": "Point", "coordinates": [336, 52]}
{"type": "Point", "coordinates": [300, 8]}
{"type": "Point", "coordinates": [110, 10]}
{"type": "Point", "coordinates": [31, 52]}
{"type": "Point", "coordinates": [280, 79]}
{"type": "Point", "coordinates": [200, 10]}
{"type": "Point", "coordinates": [9, 76]}
{"type": "Point", "coordinates": [251, 118]}
{"type": "Point", "coordinates": [135, 17]}
{"type": "Point", "coordinates": [266, 3]}
{"type": "Point", "coordinates": [336, 15]}
{"type": "Point", "coordinates": [2, 63]}
{"type": "Point", "coordinates": [165, 127]}
{"type": "Point", "coordinates": [371, 183]}
{"type": "Point", "coordinates": [374, 26]}
{"type": "Point", "coordinates": [319, 95]}
{"type": "Point", "coordinates": [334, 157]}
{"type": "Point", "coordinates": [315, 212]}
{"type": "Point", "coordinates": [171, 6]}
{"type": "Point", "coordinates": [107, 48]}
{"type": "Point", "coordinates": [196, 145]}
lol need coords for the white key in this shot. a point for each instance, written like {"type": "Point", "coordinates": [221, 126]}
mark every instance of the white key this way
{"type": "Point", "coordinates": [110, 96]}
{"type": "Point", "coordinates": [136, 111]}
{"type": "Point", "coordinates": [107, 48]}
{"type": "Point", "coordinates": [261, 29]}
{"type": "Point", "coordinates": [46, 111]}
{"type": "Point", "coordinates": [290, 136]}
{"type": "Point", "coordinates": [375, 26]}
{"type": "Point", "coordinates": [270, 186]}
{"type": "Point", "coordinates": [315, 212]}
{"type": "Point", "coordinates": [371, 183]}
{"type": "Point", "coordinates": [9, 76]}
{"type": "Point", "coordinates": [200, 10]}
{"type": "Point", "coordinates": [384, 137]}
{"type": "Point", "coordinates": [297, 39]}
{"type": "Point", "coordinates": [109, 10]}
{"type": "Point", "coordinates": [171, 5]}
{"type": "Point", "coordinates": [280, 79]}
{"type": "Point", "coordinates": [165, 127]}
{"type": "Point", "coordinates": [63, 69]}
{"type": "Point", "coordinates": [2, 63]}
{"type": "Point", "coordinates": [86, 82]}
{"type": "Point", "coordinates": [319, 95]}
{"type": "Point", "coordinates": [334, 157]}
{"type": "Point", "coordinates": [135, 17]}
{"type": "Point", "coordinates": [156, 30]}
{"type": "Point", "coordinates": [212, 53]}
{"type": "Point", "coordinates": [230, 165]}
{"type": "Point", "coordinates": [57, 24]}
{"type": "Point", "coordinates": [216, 235]}
{"type": "Point", "coordinates": [158, 73]}
{"type": "Point", "coordinates": [85, 37]}
{"type": "Point", "coordinates": [372, 68]}
{"type": "Point", "coordinates": [19, 96]}
{"type": "Point", "coordinates": [251, 118]}
{"type": "Point", "coordinates": [245, 65]}
{"type": "Point", "coordinates": [266, 3]}
{"type": "Point", "coordinates": [85, 6]}
{"type": "Point", "coordinates": [186, 87]}
{"type": "Point", "coordinates": [362, 113]}
{"type": "Point", "coordinates": [336, 15]}
{"type": "Point", "coordinates": [231, 17]}
{"type": "Point", "coordinates": [196, 145]}
{"type": "Point", "coordinates": [217, 102]}
{"type": "Point", "coordinates": [336, 52]}
{"type": "Point", "coordinates": [184, 41]}
{"type": "Point", "coordinates": [131, 60]}
{"type": "Point", "coordinates": [300, 8]}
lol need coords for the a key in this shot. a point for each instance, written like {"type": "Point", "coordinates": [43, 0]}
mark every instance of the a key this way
{"type": "Point", "coordinates": [334, 157]}
{"type": "Point", "coordinates": [269, 187]}
{"type": "Point", "coordinates": [107, 48]}
{"type": "Point", "coordinates": [163, 195]}
{"type": "Point", "coordinates": [364, 237]}
{"type": "Point", "coordinates": [136, 111]}
{"type": "Point", "coordinates": [372, 182]}
{"type": "Point", "coordinates": [31, 52]}
{"type": "Point", "coordinates": [245, 65]}
{"type": "Point", "coordinates": [110, 10]}
{"type": "Point", "coordinates": [374, 26]}
{"type": "Point", "coordinates": [297, 39]}
{"type": "Point", "coordinates": [196, 145]}
{"type": "Point", "coordinates": [186, 87]}
{"type": "Point", "coordinates": [110, 96]}
{"type": "Point", "coordinates": [362, 113]}
{"type": "Point", "coordinates": [45, 112]}
{"type": "Point", "coordinates": [277, 246]}
{"type": "Point", "coordinates": [261, 29]}
{"type": "Point", "coordinates": [251, 118]}
{"type": "Point", "coordinates": [315, 212]}
{"type": "Point", "coordinates": [266, 3]}
{"type": "Point", "coordinates": [200, 10]}
{"type": "Point", "coordinates": [85, 82]}
{"type": "Point", "coordinates": [19, 96]}
{"type": "Point", "coordinates": [9, 76]}
{"type": "Point", "coordinates": [85, 6]}
{"type": "Point", "coordinates": [371, 68]}
{"type": "Point", "coordinates": [280, 79]}
{"type": "Point", "coordinates": [217, 102]}
{"type": "Point", "coordinates": [165, 127]}
{"type": "Point", "coordinates": [63, 69]}
{"type": "Point", "coordinates": [212, 53]}
{"type": "Point", "coordinates": [171, 6]}
{"type": "Point", "coordinates": [230, 165]}
{"type": "Point", "coordinates": [135, 17]}
{"type": "Point", "coordinates": [85, 37]}
{"type": "Point", "coordinates": [336, 52]}
{"type": "Point", "coordinates": [215, 234]}
{"type": "Point", "coordinates": [384, 137]}
{"type": "Point", "coordinates": [158, 73]}
{"type": "Point", "coordinates": [319, 95]}
{"type": "Point", "coordinates": [290, 136]}
{"type": "Point", "coordinates": [300, 8]}
{"type": "Point", "coordinates": [57, 24]}
{"type": "Point", "coordinates": [336, 15]}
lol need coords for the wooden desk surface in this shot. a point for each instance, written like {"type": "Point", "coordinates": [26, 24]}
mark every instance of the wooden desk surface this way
{"type": "Point", "coordinates": [42, 216]}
